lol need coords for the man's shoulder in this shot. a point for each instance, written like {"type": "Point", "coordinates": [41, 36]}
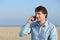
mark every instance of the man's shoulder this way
{"type": "Point", "coordinates": [51, 26]}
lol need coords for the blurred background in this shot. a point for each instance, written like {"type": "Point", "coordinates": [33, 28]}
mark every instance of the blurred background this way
{"type": "Point", "coordinates": [17, 12]}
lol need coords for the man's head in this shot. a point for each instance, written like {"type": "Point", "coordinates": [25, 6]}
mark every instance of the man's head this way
{"type": "Point", "coordinates": [41, 13]}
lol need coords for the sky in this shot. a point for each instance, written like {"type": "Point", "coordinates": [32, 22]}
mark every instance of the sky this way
{"type": "Point", "coordinates": [17, 12]}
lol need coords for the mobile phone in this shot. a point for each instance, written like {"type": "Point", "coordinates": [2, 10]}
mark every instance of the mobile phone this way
{"type": "Point", "coordinates": [34, 18]}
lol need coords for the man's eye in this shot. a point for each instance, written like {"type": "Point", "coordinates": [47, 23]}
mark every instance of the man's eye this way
{"type": "Point", "coordinates": [38, 13]}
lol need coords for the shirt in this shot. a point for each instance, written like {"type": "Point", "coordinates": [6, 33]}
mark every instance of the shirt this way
{"type": "Point", "coordinates": [45, 32]}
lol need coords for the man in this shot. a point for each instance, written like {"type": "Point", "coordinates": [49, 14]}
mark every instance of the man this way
{"type": "Point", "coordinates": [40, 29]}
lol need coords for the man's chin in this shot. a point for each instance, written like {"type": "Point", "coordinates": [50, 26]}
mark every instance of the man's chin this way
{"type": "Point", "coordinates": [38, 20]}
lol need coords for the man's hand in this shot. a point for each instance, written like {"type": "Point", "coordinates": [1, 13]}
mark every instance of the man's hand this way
{"type": "Point", "coordinates": [30, 20]}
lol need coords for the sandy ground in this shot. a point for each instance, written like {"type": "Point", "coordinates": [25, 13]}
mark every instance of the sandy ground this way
{"type": "Point", "coordinates": [12, 33]}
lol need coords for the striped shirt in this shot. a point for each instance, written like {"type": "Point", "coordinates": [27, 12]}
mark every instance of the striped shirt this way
{"type": "Point", "coordinates": [45, 32]}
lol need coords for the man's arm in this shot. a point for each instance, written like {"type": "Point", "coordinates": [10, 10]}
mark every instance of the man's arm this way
{"type": "Point", "coordinates": [53, 34]}
{"type": "Point", "coordinates": [25, 30]}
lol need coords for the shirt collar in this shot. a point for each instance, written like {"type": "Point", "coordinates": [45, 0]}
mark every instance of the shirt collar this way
{"type": "Point", "coordinates": [44, 25]}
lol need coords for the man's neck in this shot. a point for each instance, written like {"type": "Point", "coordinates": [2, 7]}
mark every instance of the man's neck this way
{"type": "Point", "coordinates": [41, 22]}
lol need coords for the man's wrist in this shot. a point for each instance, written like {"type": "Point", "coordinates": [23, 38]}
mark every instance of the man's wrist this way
{"type": "Point", "coordinates": [28, 23]}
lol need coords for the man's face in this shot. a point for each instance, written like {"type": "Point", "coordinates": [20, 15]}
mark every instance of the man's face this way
{"type": "Point", "coordinates": [40, 16]}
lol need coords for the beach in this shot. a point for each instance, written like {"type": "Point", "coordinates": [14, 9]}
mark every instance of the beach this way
{"type": "Point", "coordinates": [12, 33]}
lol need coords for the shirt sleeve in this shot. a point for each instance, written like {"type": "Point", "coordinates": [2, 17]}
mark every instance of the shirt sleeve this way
{"type": "Point", "coordinates": [53, 34]}
{"type": "Point", "coordinates": [25, 30]}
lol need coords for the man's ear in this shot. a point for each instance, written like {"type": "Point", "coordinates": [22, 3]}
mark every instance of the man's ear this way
{"type": "Point", "coordinates": [45, 15]}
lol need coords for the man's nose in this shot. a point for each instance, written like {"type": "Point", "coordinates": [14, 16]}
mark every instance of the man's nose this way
{"type": "Point", "coordinates": [36, 15]}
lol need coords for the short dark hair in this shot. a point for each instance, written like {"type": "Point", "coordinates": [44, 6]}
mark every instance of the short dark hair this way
{"type": "Point", "coordinates": [41, 8]}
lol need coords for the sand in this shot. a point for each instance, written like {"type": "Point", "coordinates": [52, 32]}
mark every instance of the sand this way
{"type": "Point", "coordinates": [12, 33]}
